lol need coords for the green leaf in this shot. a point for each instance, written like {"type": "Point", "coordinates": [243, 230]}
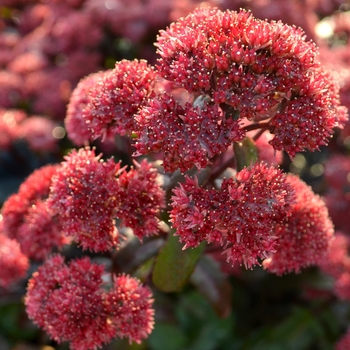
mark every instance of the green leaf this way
{"type": "Point", "coordinates": [301, 330]}
{"type": "Point", "coordinates": [246, 153]}
{"type": "Point", "coordinates": [213, 284]}
{"type": "Point", "coordinates": [167, 336]}
{"type": "Point", "coordinates": [174, 265]}
{"type": "Point", "coordinates": [204, 328]}
{"type": "Point", "coordinates": [14, 323]}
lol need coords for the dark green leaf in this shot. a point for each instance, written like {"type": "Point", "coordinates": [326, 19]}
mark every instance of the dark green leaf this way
{"type": "Point", "coordinates": [174, 265]}
{"type": "Point", "coordinates": [166, 336]}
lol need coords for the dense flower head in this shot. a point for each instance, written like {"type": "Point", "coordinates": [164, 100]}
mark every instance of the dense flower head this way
{"type": "Point", "coordinates": [67, 302]}
{"type": "Point", "coordinates": [304, 238]}
{"type": "Point", "coordinates": [13, 212]}
{"type": "Point", "coordinates": [308, 121]}
{"type": "Point", "coordinates": [255, 70]}
{"type": "Point", "coordinates": [139, 199]}
{"type": "Point", "coordinates": [75, 125]}
{"type": "Point", "coordinates": [337, 197]}
{"type": "Point", "coordinates": [71, 303]}
{"type": "Point", "coordinates": [14, 264]}
{"type": "Point", "coordinates": [40, 233]}
{"type": "Point", "coordinates": [83, 195]}
{"type": "Point", "coordinates": [337, 260]}
{"type": "Point", "coordinates": [26, 217]}
{"type": "Point", "coordinates": [130, 305]}
{"type": "Point", "coordinates": [187, 135]}
{"type": "Point", "coordinates": [241, 215]}
{"type": "Point", "coordinates": [117, 97]}
{"type": "Point", "coordinates": [190, 206]}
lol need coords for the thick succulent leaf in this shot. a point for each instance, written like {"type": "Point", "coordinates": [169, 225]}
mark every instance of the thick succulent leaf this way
{"type": "Point", "coordinates": [174, 265]}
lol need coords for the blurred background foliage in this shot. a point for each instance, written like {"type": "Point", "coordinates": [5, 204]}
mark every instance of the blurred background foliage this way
{"type": "Point", "coordinates": [248, 310]}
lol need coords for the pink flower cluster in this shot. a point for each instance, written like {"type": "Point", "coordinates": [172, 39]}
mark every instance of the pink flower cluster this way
{"type": "Point", "coordinates": [82, 194]}
{"type": "Point", "coordinates": [89, 194]}
{"type": "Point", "coordinates": [241, 216]}
{"type": "Point", "coordinates": [187, 135]}
{"type": "Point", "coordinates": [237, 69]}
{"type": "Point", "coordinates": [304, 238]}
{"type": "Point", "coordinates": [139, 193]}
{"type": "Point", "coordinates": [260, 214]}
{"type": "Point", "coordinates": [104, 103]}
{"type": "Point", "coordinates": [14, 264]}
{"type": "Point", "coordinates": [37, 131]}
{"type": "Point", "coordinates": [27, 219]}
{"type": "Point", "coordinates": [337, 175]}
{"type": "Point", "coordinates": [76, 127]}
{"type": "Point", "coordinates": [116, 98]}
{"type": "Point", "coordinates": [71, 304]}
{"type": "Point", "coordinates": [221, 76]}
{"type": "Point", "coordinates": [43, 54]}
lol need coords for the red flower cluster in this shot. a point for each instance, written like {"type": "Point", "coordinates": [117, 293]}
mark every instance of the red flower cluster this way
{"type": "Point", "coordinates": [89, 194]}
{"type": "Point", "coordinates": [14, 264]}
{"type": "Point", "coordinates": [130, 306]}
{"type": "Point", "coordinates": [337, 265]}
{"type": "Point", "coordinates": [139, 199]}
{"type": "Point", "coordinates": [70, 303]}
{"type": "Point", "coordinates": [337, 260]}
{"type": "Point", "coordinates": [337, 175]}
{"type": "Point", "coordinates": [187, 135]}
{"type": "Point", "coordinates": [82, 194]}
{"type": "Point", "coordinates": [75, 124]}
{"type": "Point", "coordinates": [36, 131]}
{"type": "Point", "coordinates": [114, 100]}
{"type": "Point", "coordinates": [242, 215]}
{"type": "Point", "coordinates": [304, 238]}
{"type": "Point", "coordinates": [26, 217]}
{"type": "Point", "coordinates": [237, 68]}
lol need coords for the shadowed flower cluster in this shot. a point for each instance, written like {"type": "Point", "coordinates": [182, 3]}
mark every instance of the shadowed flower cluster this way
{"type": "Point", "coordinates": [82, 193]}
{"type": "Point", "coordinates": [139, 199]}
{"type": "Point", "coordinates": [14, 264]}
{"type": "Point", "coordinates": [304, 238]}
{"type": "Point", "coordinates": [241, 216]}
{"type": "Point", "coordinates": [70, 304]}
{"type": "Point", "coordinates": [89, 194]}
{"type": "Point", "coordinates": [27, 219]}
